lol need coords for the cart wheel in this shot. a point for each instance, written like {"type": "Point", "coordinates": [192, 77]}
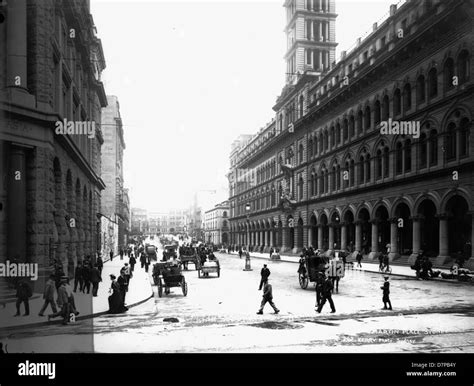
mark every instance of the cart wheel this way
{"type": "Point", "coordinates": [303, 281]}
{"type": "Point", "coordinates": [199, 273]}
{"type": "Point", "coordinates": [184, 287]}
{"type": "Point", "coordinates": [160, 289]}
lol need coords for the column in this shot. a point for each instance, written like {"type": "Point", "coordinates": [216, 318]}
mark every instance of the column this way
{"type": "Point", "coordinates": [327, 32]}
{"type": "Point", "coordinates": [320, 237]}
{"type": "Point", "coordinates": [271, 238]}
{"type": "Point", "coordinates": [310, 235]}
{"type": "Point", "coordinates": [313, 31]}
{"type": "Point", "coordinates": [16, 208]}
{"type": "Point", "coordinates": [393, 239]}
{"type": "Point", "coordinates": [284, 241]}
{"type": "Point", "coordinates": [16, 44]}
{"type": "Point", "coordinates": [320, 29]}
{"type": "Point", "coordinates": [374, 248]}
{"type": "Point", "coordinates": [266, 233]}
{"type": "Point", "coordinates": [343, 236]}
{"type": "Point", "coordinates": [331, 237]}
{"type": "Point", "coordinates": [416, 246]}
{"type": "Point", "coordinates": [358, 236]}
{"type": "Point", "coordinates": [443, 239]}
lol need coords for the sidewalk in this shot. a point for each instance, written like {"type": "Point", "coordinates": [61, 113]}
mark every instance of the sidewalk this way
{"type": "Point", "coordinates": [397, 270]}
{"type": "Point", "coordinates": [140, 290]}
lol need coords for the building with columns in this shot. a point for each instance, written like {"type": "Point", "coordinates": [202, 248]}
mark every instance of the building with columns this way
{"type": "Point", "coordinates": [50, 185]}
{"type": "Point", "coordinates": [216, 224]}
{"type": "Point", "coordinates": [330, 177]}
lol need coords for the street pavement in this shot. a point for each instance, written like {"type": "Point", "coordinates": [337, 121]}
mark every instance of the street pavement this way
{"type": "Point", "coordinates": [88, 306]}
{"type": "Point", "coordinates": [219, 315]}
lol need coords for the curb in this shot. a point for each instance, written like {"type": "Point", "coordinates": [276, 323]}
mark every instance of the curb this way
{"type": "Point", "coordinates": [282, 259]}
{"type": "Point", "coordinates": [83, 317]}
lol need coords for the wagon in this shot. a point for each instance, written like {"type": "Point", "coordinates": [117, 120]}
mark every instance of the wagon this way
{"type": "Point", "coordinates": [167, 275]}
{"type": "Point", "coordinates": [208, 267]}
{"type": "Point", "coordinates": [151, 252]}
{"type": "Point", "coordinates": [169, 252]}
{"type": "Point", "coordinates": [309, 269]}
{"type": "Point", "coordinates": [190, 258]}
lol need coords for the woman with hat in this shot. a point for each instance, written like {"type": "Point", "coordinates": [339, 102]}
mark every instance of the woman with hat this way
{"type": "Point", "coordinates": [116, 305]}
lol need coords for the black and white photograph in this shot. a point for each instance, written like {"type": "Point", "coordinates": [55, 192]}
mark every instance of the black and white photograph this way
{"type": "Point", "coordinates": [237, 177]}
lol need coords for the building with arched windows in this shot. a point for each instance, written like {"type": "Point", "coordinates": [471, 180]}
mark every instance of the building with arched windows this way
{"type": "Point", "coordinates": [337, 182]}
{"type": "Point", "coordinates": [50, 183]}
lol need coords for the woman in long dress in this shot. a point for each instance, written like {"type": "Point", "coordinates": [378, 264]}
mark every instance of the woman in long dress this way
{"type": "Point", "coordinates": [116, 305]}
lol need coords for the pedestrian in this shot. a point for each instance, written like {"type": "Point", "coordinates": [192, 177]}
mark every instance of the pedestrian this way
{"type": "Point", "coordinates": [111, 254]}
{"type": "Point", "coordinates": [2, 351]}
{"type": "Point", "coordinates": [48, 296]}
{"type": "Point", "coordinates": [127, 271]}
{"type": "Point", "coordinates": [100, 264]}
{"type": "Point", "coordinates": [70, 297]}
{"type": "Point", "coordinates": [95, 278]}
{"type": "Point", "coordinates": [147, 262]}
{"type": "Point", "coordinates": [63, 302]}
{"type": "Point", "coordinates": [132, 261]}
{"type": "Point", "coordinates": [142, 259]}
{"type": "Point", "coordinates": [267, 297]}
{"type": "Point", "coordinates": [271, 252]}
{"type": "Point", "coordinates": [23, 293]}
{"type": "Point", "coordinates": [78, 277]}
{"type": "Point", "coordinates": [121, 253]}
{"type": "Point", "coordinates": [380, 261]}
{"type": "Point", "coordinates": [386, 294]}
{"type": "Point", "coordinates": [359, 259]}
{"type": "Point", "coordinates": [319, 288]}
{"type": "Point", "coordinates": [86, 275]}
{"type": "Point", "coordinates": [327, 295]}
{"type": "Point", "coordinates": [123, 285]}
{"type": "Point", "coordinates": [116, 305]}
{"type": "Point", "coordinates": [240, 252]}
{"type": "Point", "coordinates": [264, 274]}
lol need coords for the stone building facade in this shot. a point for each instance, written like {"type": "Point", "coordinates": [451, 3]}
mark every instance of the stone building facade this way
{"type": "Point", "coordinates": [114, 197]}
{"type": "Point", "coordinates": [216, 224]}
{"type": "Point", "coordinates": [50, 65]}
{"type": "Point", "coordinates": [334, 178]}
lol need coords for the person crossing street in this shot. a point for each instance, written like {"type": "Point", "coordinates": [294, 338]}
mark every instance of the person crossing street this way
{"type": "Point", "coordinates": [386, 294]}
{"type": "Point", "coordinates": [327, 295]}
{"type": "Point", "coordinates": [264, 273]}
{"type": "Point", "coordinates": [267, 297]}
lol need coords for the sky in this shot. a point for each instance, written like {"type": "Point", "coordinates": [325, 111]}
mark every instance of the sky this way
{"type": "Point", "coordinates": [191, 76]}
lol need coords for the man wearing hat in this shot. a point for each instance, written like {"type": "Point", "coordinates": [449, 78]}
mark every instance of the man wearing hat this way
{"type": "Point", "coordinates": [327, 295]}
{"type": "Point", "coordinates": [386, 293]}
{"type": "Point", "coordinates": [264, 273]}
{"type": "Point", "coordinates": [63, 302]}
{"type": "Point", "coordinates": [267, 297]}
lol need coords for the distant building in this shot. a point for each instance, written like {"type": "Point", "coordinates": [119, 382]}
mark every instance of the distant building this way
{"type": "Point", "coordinates": [115, 203]}
{"type": "Point", "coordinates": [216, 224]}
{"type": "Point", "coordinates": [139, 222]}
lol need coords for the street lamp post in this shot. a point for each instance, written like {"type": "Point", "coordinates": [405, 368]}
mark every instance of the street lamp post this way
{"type": "Point", "coordinates": [247, 254]}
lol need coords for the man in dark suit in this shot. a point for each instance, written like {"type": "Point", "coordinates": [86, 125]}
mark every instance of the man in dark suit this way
{"type": "Point", "coordinates": [386, 294]}
{"type": "Point", "coordinates": [264, 273]}
{"type": "Point", "coordinates": [95, 279]}
{"type": "Point", "coordinates": [327, 295]}
{"type": "Point", "coordinates": [78, 277]}
{"type": "Point", "coordinates": [267, 297]}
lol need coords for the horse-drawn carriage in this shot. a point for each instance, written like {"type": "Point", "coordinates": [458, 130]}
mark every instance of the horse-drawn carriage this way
{"type": "Point", "coordinates": [311, 266]}
{"type": "Point", "coordinates": [169, 252]}
{"type": "Point", "coordinates": [189, 255]}
{"type": "Point", "coordinates": [211, 266]}
{"type": "Point", "coordinates": [167, 275]}
{"type": "Point", "coordinates": [151, 252]}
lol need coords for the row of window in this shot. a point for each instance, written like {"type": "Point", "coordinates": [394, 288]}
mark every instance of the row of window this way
{"type": "Point", "coordinates": [355, 172]}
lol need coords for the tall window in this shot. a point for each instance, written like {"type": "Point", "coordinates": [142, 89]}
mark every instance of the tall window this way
{"type": "Point", "coordinates": [312, 190]}
{"type": "Point", "coordinates": [345, 130]}
{"type": "Point", "coordinates": [420, 89]}
{"type": "Point", "coordinates": [423, 151]}
{"type": "Point", "coordinates": [361, 169]}
{"type": "Point", "coordinates": [377, 112]}
{"type": "Point", "coordinates": [352, 173]}
{"type": "Point", "coordinates": [433, 147]}
{"type": "Point", "coordinates": [300, 188]}
{"type": "Point", "coordinates": [333, 137]}
{"type": "Point", "coordinates": [397, 102]}
{"type": "Point", "coordinates": [367, 118]}
{"type": "Point", "coordinates": [433, 83]}
{"type": "Point", "coordinates": [338, 133]}
{"type": "Point", "coordinates": [386, 162]}
{"type": "Point", "coordinates": [464, 129]}
{"type": "Point", "coordinates": [448, 74]}
{"type": "Point", "coordinates": [310, 147]}
{"type": "Point", "coordinates": [351, 126]}
{"type": "Point", "coordinates": [451, 142]}
{"type": "Point", "coordinates": [407, 97]}
{"type": "Point", "coordinates": [301, 108]}
{"type": "Point", "coordinates": [367, 167]}
{"type": "Point", "coordinates": [399, 158]}
{"type": "Point", "coordinates": [326, 141]}
{"type": "Point", "coordinates": [321, 143]}
{"type": "Point", "coordinates": [359, 121]}
{"type": "Point", "coordinates": [301, 153]}
{"type": "Point", "coordinates": [463, 66]}
{"type": "Point", "coordinates": [386, 108]}
{"type": "Point", "coordinates": [378, 165]}
{"type": "Point", "coordinates": [407, 155]}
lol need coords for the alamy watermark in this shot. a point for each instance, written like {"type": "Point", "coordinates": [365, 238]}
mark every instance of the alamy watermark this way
{"type": "Point", "coordinates": [9, 269]}
{"type": "Point", "coordinates": [400, 127]}
{"type": "Point", "coordinates": [75, 128]}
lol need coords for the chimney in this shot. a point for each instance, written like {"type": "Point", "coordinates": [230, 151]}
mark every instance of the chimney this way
{"type": "Point", "coordinates": [359, 40]}
{"type": "Point", "coordinates": [374, 27]}
{"type": "Point", "coordinates": [393, 9]}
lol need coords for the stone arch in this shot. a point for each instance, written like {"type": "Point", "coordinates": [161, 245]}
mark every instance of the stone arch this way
{"type": "Point", "coordinates": [459, 226]}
